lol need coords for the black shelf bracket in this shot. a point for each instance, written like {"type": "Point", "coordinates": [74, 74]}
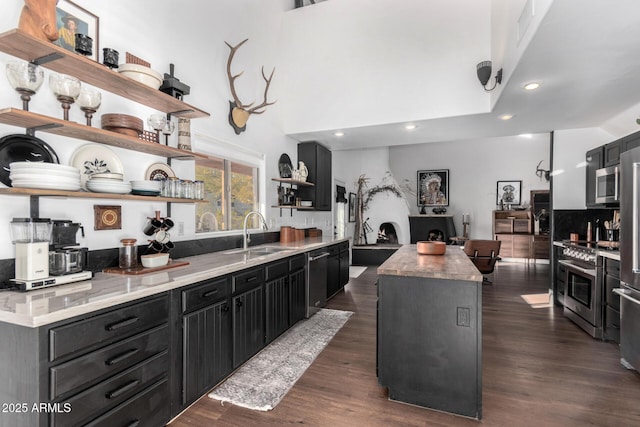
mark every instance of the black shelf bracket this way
{"type": "Point", "coordinates": [32, 130]}
{"type": "Point", "coordinates": [54, 56]}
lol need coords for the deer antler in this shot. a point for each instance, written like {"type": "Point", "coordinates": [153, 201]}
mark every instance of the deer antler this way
{"type": "Point", "coordinates": [233, 78]}
{"type": "Point", "coordinates": [266, 89]}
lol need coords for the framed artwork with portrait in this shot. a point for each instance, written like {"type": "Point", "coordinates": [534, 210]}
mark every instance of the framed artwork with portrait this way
{"type": "Point", "coordinates": [433, 187]}
{"type": "Point", "coordinates": [509, 192]}
{"type": "Point", "coordinates": [352, 207]}
{"type": "Point", "coordinates": [72, 19]}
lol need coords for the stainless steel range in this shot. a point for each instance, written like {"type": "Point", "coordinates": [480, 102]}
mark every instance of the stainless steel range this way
{"type": "Point", "coordinates": [583, 290]}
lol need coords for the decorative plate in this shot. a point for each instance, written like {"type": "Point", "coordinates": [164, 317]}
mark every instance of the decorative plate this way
{"type": "Point", "coordinates": [284, 166]}
{"type": "Point", "coordinates": [23, 148]}
{"type": "Point", "coordinates": [94, 158]}
{"type": "Point", "coordinates": [159, 172]}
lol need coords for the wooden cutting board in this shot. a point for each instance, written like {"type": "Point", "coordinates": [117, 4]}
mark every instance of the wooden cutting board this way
{"type": "Point", "coordinates": [144, 270]}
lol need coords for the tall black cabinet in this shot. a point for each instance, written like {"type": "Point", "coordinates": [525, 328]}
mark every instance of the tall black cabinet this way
{"type": "Point", "coordinates": [595, 160]}
{"type": "Point", "coordinates": [317, 159]}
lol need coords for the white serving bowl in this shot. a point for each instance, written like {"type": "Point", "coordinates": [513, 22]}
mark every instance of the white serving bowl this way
{"type": "Point", "coordinates": [154, 260]}
{"type": "Point", "coordinates": [142, 74]}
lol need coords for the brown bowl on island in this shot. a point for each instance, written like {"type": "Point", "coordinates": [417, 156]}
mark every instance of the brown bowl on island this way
{"type": "Point", "coordinates": [431, 248]}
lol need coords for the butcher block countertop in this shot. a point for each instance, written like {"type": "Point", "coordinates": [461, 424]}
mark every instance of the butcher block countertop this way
{"type": "Point", "coordinates": [453, 265]}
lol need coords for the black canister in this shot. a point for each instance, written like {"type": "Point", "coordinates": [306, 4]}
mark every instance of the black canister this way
{"type": "Point", "coordinates": [110, 57]}
{"type": "Point", "coordinates": [84, 44]}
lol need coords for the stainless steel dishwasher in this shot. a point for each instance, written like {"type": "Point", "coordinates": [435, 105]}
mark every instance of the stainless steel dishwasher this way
{"type": "Point", "coordinates": [316, 281]}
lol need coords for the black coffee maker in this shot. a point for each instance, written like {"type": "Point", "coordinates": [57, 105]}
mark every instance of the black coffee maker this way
{"type": "Point", "coordinates": [64, 255]}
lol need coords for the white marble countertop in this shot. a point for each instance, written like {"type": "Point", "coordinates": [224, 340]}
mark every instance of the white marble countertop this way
{"type": "Point", "coordinates": [49, 305]}
{"type": "Point", "coordinates": [453, 265]}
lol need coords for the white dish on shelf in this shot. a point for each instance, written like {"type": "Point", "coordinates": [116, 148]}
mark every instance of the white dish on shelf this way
{"type": "Point", "coordinates": [95, 158]}
{"type": "Point", "coordinates": [46, 185]}
{"type": "Point", "coordinates": [306, 203]}
{"type": "Point", "coordinates": [159, 172]}
{"type": "Point", "coordinates": [147, 185]}
{"type": "Point", "coordinates": [42, 167]}
{"type": "Point", "coordinates": [105, 187]}
{"type": "Point", "coordinates": [142, 74]}
{"type": "Point", "coordinates": [106, 175]}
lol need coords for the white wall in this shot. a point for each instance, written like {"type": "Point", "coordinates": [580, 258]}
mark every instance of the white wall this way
{"type": "Point", "coordinates": [474, 169]}
{"type": "Point", "coordinates": [361, 62]}
{"type": "Point", "coordinates": [193, 39]}
{"type": "Point", "coordinates": [384, 207]}
{"type": "Point", "coordinates": [569, 176]}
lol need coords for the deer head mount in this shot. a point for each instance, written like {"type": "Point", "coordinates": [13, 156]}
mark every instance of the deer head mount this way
{"type": "Point", "coordinates": [238, 112]}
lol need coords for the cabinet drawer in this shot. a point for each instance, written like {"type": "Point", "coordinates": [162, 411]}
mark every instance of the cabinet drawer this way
{"type": "Point", "coordinates": [112, 392]}
{"type": "Point", "coordinates": [204, 294]}
{"type": "Point", "coordinates": [521, 226]}
{"type": "Point", "coordinates": [277, 269]}
{"type": "Point", "coordinates": [105, 328]}
{"type": "Point", "coordinates": [246, 280]}
{"type": "Point", "coordinates": [88, 369]}
{"type": "Point", "coordinates": [148, 409]}
{"type": "Point", "coordinates": [333, 250]}
{"type": "Point", "coordinates": [297, 262]}
{"type": "Point", "coordinates": [503, 226]}
{"type": "Point", "coordinates": [344, 246]}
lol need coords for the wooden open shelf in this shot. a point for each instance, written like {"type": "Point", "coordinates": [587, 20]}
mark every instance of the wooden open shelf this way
{"type": "Point", "coordinates": [21, 45]}
{"type": "Point", "coordinates": [293, 181]}
{"type": "Point", "coordinates": [300, 208]}
{"type": "Point", "coordinates": [89, 195]}
{"type": "Point", "coordinates": [39, 122]}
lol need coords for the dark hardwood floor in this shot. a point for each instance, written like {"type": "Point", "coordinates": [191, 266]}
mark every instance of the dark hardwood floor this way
{"type": "Point", "coordinates": [539, 369]}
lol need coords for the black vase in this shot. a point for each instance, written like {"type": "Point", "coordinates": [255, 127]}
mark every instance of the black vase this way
{"type": "Point", "coordinates": [110, 57]}
{"type": "Point", "coordinates": [84, 44]}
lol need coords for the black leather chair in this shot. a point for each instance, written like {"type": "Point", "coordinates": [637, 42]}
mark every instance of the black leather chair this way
{"type": "Point", "coordinates": [484, 255]}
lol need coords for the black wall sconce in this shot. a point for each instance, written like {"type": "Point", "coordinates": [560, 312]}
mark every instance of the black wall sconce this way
{"type": "Point", "coordinates": [484, 74]}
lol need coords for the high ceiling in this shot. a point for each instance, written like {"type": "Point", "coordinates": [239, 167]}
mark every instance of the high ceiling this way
{"type": "Point", "coordinates": [585, 52]}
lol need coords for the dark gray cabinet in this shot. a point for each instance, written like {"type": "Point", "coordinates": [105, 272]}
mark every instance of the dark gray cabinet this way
{"type": "Point", "coordinates": [344, 263]}
{"type": "Point", "coordinates": [430, 342]}
{"type": "Point", "coordinates": [276, 291]}
{"type": "Point", "coordinates": [297, 288]}
{"type": "Point", "coordinates": [248, 314]}
{"type": "Point", "coordinates": [595, 160]}
{"type": "Point", "coordinates": [337, 268]}
{"type": "Point", "coordinates": [630, 142]}
{"type": "Point", "coordinates": [611, 308]}
{"type": "Point", "coordinates": [317, 159]}
{"type": "Point", "coordinates": [560, 272]}
{"type": "Point", "coordinates": [206, 332]}
{"type": "Point", "coordinates": [611, 153]}
{"type": "Point", "coordinates": [104, 365]}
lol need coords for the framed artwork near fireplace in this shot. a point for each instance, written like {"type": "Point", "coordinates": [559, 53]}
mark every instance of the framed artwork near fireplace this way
{"type": "Point", "coordinates": [433, 187]}
{"type": "Point", "coordinates": [508, 192]}
{"type": "Point", "coordinates": [352, 207]}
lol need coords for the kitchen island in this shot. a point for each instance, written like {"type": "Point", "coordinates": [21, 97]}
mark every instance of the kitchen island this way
{"type": "Point", "coordinates": [430, 330]}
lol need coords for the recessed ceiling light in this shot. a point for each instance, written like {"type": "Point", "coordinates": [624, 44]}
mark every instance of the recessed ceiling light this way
{"type": "Point", "coordinates": [506, 117]}
{"type": "Point", "coordinates": [410, 127]}
{"type": "Point", "coordinates": [526, 135]}
{"type": "Point", "coordinates": [339, 133]}
{"type": "Point", "coordinates": [531, 85]}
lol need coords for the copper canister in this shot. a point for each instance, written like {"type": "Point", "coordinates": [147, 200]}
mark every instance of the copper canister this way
{"type": "Point", "coordinates": [287, 234]}
{"type": "Point", "coordinates": [299, 234]}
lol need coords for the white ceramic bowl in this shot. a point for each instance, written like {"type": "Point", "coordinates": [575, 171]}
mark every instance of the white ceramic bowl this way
{"type": "Point", "coordinates": [147, 185]}
{"type": "Point", "coordinates": [154, 260]}
{"type": "Point", "coordinates": [142, 74]}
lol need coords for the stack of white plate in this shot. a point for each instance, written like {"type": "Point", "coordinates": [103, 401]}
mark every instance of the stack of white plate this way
{"type": "Point", "coordinates": [107, 185]}
{"type": "Point", "coordinates": [50, 176]}
{"type": "Point", "coordinates": [146, 187]}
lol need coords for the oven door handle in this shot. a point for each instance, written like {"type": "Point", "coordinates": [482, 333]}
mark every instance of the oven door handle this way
{"type": "Point", "coordinates": [625, 294]}
{"type": "Point", "coordinates": [580, 269]}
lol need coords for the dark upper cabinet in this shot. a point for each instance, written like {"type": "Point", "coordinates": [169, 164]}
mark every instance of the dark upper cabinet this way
{"type": "Point", "coordinates": [595, 161]}
{"type": "Point", "coordinates": [630, 142]}
{"type": "Point", "coordinates": [612, 153]}
{"type": "Point", "coordinates": [317, 159]}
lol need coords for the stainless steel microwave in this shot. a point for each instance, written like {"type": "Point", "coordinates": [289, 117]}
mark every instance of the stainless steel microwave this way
{"type": "Point", "coordinates": [608, 185]}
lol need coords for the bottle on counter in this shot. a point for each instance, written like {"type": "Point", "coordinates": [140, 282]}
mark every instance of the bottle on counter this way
{"type": "Point", "coordinates": [128, 254]}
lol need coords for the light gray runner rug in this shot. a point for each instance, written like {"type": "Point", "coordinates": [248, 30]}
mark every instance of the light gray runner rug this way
{"type": "Point", "coordinates": [265, 379]}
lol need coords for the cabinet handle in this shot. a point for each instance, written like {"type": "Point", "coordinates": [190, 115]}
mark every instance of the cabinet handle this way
{"type": "Point", "coordinates": [210, 293]}
{"type": "Point", "coordinates": [117, 392]}
{"type": "Point", "coordinates": [121, 324]}
{"type": "Point", "coordinates": [251, 279]}
{"type": "Point", "coordinates": [239, 303]}
{"type": "Point", "coordinates": [133, 423]}
{"type": "Point", "coordinates": [121, 357]}
{"type": "Point", "coordinates": [225, 308]}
